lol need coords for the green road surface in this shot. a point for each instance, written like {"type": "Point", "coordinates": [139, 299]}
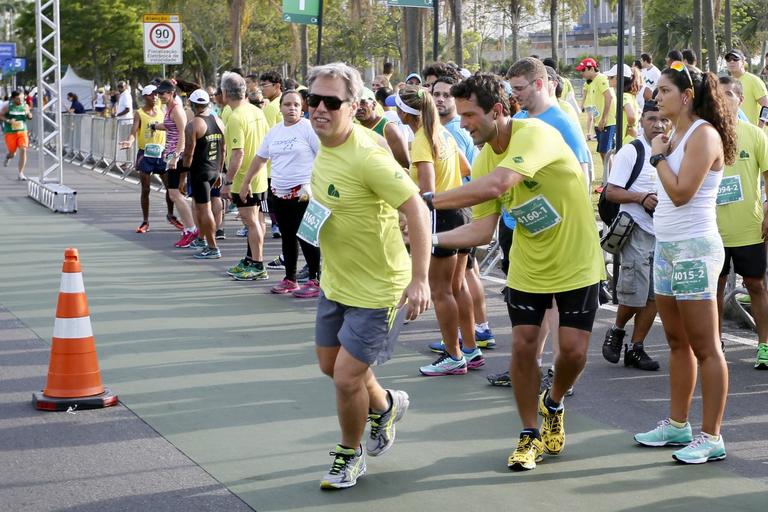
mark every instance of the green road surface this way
{"type": "Point", "coordinates": [226, 372]}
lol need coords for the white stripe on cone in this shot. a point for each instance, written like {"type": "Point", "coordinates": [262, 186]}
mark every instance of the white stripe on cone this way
{"type": "Point", "coordinates": [72, 282]}
{"type": "Point", "coordinates": [72, 327]}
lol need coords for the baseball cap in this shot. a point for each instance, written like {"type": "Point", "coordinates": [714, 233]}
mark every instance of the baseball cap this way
{"type": "Point", "coordinates": [199, 97]}
{"type": "Point", "coordinates": [390, 101]}
{"type": "Point", "coordinates": [148, 89]}
{"type": "Point", "coordinates": [733, 52]}
{"type": "Point", "coordinates": [465, 73]}
{"type": "Point", "coordinates": [615, 70]}
{"type": "Point", "coordinates": [368, 94]}
{"type": "Point", "coordinates": [650, 106]}
{"type": "Point", "coordinates": [589, 62]}
{"type": "Point", "coordinates": [414, 75]}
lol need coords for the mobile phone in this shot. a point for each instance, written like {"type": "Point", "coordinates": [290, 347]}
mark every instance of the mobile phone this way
{"type": "Point", "coordinates": [764, 114]}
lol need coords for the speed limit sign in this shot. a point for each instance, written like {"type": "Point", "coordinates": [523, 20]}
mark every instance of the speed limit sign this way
{"type": "Point", "coordinates": [162, 39]}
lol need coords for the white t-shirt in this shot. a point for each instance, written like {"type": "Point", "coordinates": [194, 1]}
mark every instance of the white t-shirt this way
{"type": "Point", "coordinates": [99, 100]}
{"type": "Point", "coordinates": [646, 182]}
{"type": "Point", "coordinates": [392, 117]}
{"type": "Point", "coordinates": [651, 77]}
{"type": "Point", "coordinates": [292, 150]}
{"type": "Point", "coordinates": [124, 102]}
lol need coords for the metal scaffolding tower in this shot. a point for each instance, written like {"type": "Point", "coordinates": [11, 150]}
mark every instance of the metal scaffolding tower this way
{"type": "Point", "coordinates": [49, 189]}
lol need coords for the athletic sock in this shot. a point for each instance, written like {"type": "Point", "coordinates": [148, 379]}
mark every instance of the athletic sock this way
{"type": "Point", "coordinates": [677, 424]}
{"type": "Point", "coordinates": [711, 437]}
{"type": "Point", "coordinates": [551, 404]}
{"type": "Point", "coordinates": [533, 432]}
{"type": "Point", "coordinates": [540, 362]}
{"type": "Point", "coordinates": [258, 264]}
{"type": "Point", "coordinates": [468, 350]}
{"type": "Point", "coordinates": [481, 326]}
{"type": "Point", "coordinates": [617, 328]}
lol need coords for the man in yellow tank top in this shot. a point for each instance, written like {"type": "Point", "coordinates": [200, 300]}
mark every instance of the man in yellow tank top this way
{"type": "Point", "coordinates": [149, 157]}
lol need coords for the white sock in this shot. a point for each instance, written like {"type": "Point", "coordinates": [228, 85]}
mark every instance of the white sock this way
{"type": "Point", "coordinates": [481, 326]}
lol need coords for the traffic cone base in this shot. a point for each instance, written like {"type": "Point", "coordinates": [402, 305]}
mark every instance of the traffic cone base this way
{"type": "Point", "coordinates": [47, 403]}
{"type": "Point", "coordinates": [74, 379]}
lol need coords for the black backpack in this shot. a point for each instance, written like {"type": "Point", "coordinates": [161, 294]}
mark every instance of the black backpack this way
{"type": "Point", "coordinates": [608, 210]}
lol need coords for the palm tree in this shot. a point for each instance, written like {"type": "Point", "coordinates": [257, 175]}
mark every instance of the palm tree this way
{"type": "Point", "coordinates": [696, 35]}
{"type": "Point", "coordinates": [637, 14]}
{"type": "Point", "coordinates": [708, 19]}
{"type": "Point", "coordinates": [239, 17]}
{"type": "Point", "coordinates": [554, 27]}
{"type": "Point", "coordinates": [457, 7]}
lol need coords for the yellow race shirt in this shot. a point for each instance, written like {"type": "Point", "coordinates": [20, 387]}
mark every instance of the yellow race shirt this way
{"type": "Point", "coordinates": [246, 129]}
{"type": "Point", "coordinates": [365, 263]}
{"type": "Point", "coordinates": [754, 89]}
{"type": "Point", "coordinates": [272, 112]}
{"type": "Point", "coordinates": [146, 136]}
{"type": "Point", "coordinates": [448, 165]}
{"type": "Point", "coordinates": [567, 88]}
{"type": "Point", "coordinates": [225, 113]}
{"type": "Point", "coordinates": [568, 109]}
{"type": "Point", "coordinates": [597, 88]}
{"type": "Point", "coordinates": [740, 221]}
{"type": "Point", "coordinates": [555, 247]}
{"type": "Point", "coordinates": [631, 100]}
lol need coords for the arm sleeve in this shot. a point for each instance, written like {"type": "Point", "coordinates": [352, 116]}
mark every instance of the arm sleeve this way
{"type": "Point", "coordinates": [383, 175]}
{"type": "Point", "coordinates": [263, 151]}
{"type": "Point", "coordinates": [420, 150]}
{"type": "Point", "coordinates": [623, 162]}
{"type": "Point", "coordinates": [235, 133]}
{"type": "Point", "coordinates": [532, 148]}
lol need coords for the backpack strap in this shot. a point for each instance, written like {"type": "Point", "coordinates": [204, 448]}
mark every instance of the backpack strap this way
{"type": "Point", "coordinates": [639, 161]}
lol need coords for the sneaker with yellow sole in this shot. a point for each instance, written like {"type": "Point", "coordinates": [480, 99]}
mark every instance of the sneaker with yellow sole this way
{"type": "Point", "coordinates": [528, 452]}
{"type": "Point", "coordinates": [552, 426]}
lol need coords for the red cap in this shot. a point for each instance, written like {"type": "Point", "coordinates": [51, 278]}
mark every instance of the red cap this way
{"type": "Point", "coordinates": [589, 62]}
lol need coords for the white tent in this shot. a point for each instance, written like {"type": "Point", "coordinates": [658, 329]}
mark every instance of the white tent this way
{"type": "Point", "coordinates": [84, 89]}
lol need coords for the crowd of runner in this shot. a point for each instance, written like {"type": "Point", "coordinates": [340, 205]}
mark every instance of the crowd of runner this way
{"type": "Point", "coordinates": [394, 188]}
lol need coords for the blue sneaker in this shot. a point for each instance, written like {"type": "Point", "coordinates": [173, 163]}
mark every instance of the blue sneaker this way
{"type": "Point", "coordinates": [438, 347]}
{"type": "Point", "coordinates": [666, 434]}
{"type": "Point", "coordinates": [445, 365]}
{"type": "Point", "coordinates": [702, 449]}
{"type": "Point", "coordinates": [485, 339]}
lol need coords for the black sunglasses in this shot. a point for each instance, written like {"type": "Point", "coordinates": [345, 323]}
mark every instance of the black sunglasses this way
{"type": "Point", "coordinates": [331, 102]}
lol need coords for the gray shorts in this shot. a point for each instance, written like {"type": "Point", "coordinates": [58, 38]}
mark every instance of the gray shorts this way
{"type": "Point", "coordinates": [635, 285]}
{"type": "Point", "coordinates": [368, 334]}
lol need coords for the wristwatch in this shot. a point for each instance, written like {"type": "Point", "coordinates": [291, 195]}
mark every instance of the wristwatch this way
{"type": "Point", "coordinates": [655, 159]}
{"type": "Point", "coordinates": [428, 197]}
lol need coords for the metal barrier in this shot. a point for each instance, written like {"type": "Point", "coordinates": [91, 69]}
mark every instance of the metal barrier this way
{"type": "Point", "coordinates": [123, 159]}
{"type": "Point", "coordinates": [95, 159]}
{"type": "Point", "coordinates": [83, 149]}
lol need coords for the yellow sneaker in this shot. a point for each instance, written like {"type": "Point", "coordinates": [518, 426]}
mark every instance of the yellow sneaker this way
{"type": "Point", "coordinates": [552, 427]}
{"type": "Point", "coordinates": [528, 452]}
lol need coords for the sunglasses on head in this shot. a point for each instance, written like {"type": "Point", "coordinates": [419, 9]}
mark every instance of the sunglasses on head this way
{"type": "Point", "coordinates": [331, 102]}
{"type": "Point", "coordinates": [680, 67]}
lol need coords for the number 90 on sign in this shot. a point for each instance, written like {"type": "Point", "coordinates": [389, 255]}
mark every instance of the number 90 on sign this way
{"type": "Point", "coordinates": [162, 36]}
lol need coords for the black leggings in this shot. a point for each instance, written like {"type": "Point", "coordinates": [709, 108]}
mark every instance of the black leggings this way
{"type": "Point", "coordinates": [289, 213]}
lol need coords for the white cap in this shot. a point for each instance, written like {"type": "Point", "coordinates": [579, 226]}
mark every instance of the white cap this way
{"type": "Point", "coordinates": [614, 71]}
{"type": "Point", "coordinates": [199, 97]}
{"type": "Point", "coordinates": [465, 72]}
{"type": "Point", "coordinates": [148, 89]}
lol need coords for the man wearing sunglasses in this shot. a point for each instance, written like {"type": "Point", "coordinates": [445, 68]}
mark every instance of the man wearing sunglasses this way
{"type": "Point", "coordinates": [602, 105]}
{"type": "Point", "coordinates": [755, 93]}
{"type": "Point", "coordinates": [369, 284]}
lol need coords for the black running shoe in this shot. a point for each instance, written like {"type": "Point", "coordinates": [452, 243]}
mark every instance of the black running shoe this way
{"type": "Point", "coordinates": [614, 339]}
{"type": "Point", "coordinates": [637, 357]}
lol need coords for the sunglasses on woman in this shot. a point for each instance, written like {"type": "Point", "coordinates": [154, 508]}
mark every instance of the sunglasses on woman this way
{"type": "Point", "coordinates": [680, 67]}
{"type": "Point", "coordinates": [331, 102]}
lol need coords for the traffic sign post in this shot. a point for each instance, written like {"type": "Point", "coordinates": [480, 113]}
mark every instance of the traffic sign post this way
{"type": "Point", "coordinates": [305, 12]}
{"type": "Point", "coordinates": [162, 39]}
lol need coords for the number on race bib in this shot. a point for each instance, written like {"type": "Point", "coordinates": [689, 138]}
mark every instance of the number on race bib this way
{"type": "Point", "coordinates": [689, 277]}
{"type": "Point", "coordinates": [730, 190]}
{"type": "Point", "coordinates": [313, 220]}
{"type": "Point", "coordinates": [536, 215]}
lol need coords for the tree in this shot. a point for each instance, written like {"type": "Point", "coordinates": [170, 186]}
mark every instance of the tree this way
{"type": "Point", "coordinates": [553, 27]}
{"type": "Point", "coordinates": [727, 24]}
{"type": "Point", "coordinates": [637, 13]}
{"type": "Point", "coordinates": [456, 17]}
{"type": "Point", "coordinates": [708, 19]}
{"type": "Point", "coordinates": [696, 35]}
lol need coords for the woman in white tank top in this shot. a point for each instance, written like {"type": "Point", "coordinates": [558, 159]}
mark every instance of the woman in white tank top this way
{"type": "Point", "coordinates": [689, 255]}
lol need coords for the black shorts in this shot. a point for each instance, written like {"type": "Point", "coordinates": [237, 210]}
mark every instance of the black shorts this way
{"type": "Point", "coordinates": [748, 260]}
{"type": "Point", "coordinates": [446, 220]}
{"type": "Point", "coordinates": [471, 258]}
{"type": "Point", "coordinates": [577, 307]}
{"type": "Point", "coordinates": [259, 200]}
{"type": "Point", "coordinates": [149, 165]}
{"type": "Point", "coordinates": [200, 185]}
{"type": "Point", "coordinates": [269, 204]}
{"type": "Point", "coordinates": [174, 177]}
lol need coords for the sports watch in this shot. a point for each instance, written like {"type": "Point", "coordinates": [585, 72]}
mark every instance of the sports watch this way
{"type": "Point", "coordinates": [655, 159]}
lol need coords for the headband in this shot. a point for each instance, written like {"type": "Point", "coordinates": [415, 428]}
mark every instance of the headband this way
{"type": "Point", "coordinates": [405, 108]}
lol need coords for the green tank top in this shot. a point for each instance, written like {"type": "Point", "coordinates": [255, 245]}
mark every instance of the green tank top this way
{"type": "Point", "coordinates": [379, 127]}
{"type": "Point", "coordinates": [17, 119]}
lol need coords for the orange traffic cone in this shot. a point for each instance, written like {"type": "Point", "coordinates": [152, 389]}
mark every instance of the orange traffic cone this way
{"type": "Point", "coordinates": [74, 379]}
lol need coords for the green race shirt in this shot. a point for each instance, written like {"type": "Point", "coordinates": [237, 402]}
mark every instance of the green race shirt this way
{"type": "Point", "coordinates": [555, 246]}
{"type": "Point", "coordinates": [740, 221]}
{"type": "Point", "coordinates": [365, 263]}
{"type": "Point", "coordinates": [598, 86]}
{"type": "Point", "coordinates": [246, 129]}
{"type": "Point", "coordinates": [754, 89]}
{"type": "Point", "coordinates": [17, 116]}
{"type": "Point", "coordinates": [447, 166]}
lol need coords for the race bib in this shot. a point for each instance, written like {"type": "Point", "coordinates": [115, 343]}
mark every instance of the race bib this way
{"type": "Point", "coordinates": [689, 277]}
{"type": "Point", "coordinates": [536, 215]}
{"type": "Point", "coordinates": [313, 220]}
{"type": "Point", "coordinates": [153, 150]}
{"type": "Point", "coordinates": [17, 125]}
{"type": "Point", "coordinates": [730, 190]}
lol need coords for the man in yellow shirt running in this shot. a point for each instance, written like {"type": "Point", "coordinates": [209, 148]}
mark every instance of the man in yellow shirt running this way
{"type": "Point", "coordinates": [527, 169]}
{"type": "Point", "coordinates": [369, 284]}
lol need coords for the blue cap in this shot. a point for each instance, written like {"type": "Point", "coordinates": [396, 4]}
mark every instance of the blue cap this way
{"type": "Point", "coordinates": [414, 75]}
{"type": "Point", "coordinates": [390, 101]}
